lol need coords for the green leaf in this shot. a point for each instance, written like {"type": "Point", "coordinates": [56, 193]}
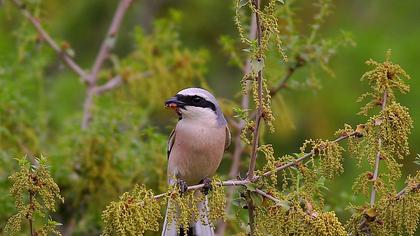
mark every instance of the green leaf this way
{"type": "Point", "coordinates": [256, 198]}
{"type": "Point", "coordinates": [281, 1]}
{"type": "Point", "coordinates": [239, 202]}
{"type": "Point", "coordinates": [251, 187]}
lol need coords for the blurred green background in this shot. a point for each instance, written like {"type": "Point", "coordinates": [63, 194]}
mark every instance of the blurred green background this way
{"type": "Point", "coordinates": [54, 98]}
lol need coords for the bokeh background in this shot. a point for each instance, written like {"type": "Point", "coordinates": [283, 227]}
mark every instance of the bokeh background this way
{"type": "Point", "coordinates": [53, 96]}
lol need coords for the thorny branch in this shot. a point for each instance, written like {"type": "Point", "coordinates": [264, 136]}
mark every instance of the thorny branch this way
{"type": "Point", "coordinates": [378, 157]}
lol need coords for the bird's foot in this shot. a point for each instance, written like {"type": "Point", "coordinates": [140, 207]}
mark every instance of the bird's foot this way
{"type": "Point", "coordinates": [207, 186]}
{"type": "Point", "coordinates": [183, 187]}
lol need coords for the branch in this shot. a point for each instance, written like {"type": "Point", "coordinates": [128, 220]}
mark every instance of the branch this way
{"type": "Point", "coordinates": [239, 146]}
{"type": "Point", "coordinates": [259, 108]}
{"type": "Point", "coordinates": [109, 41]}
{"type": "Point", "coordinates": [378, 157]}
{"type": "Point", "coordinates": [50, 41]}
{"type": "Point", "coordinates": [31, 203]}
{"type": "Point", "coordinates": [103, 54]}
{"type": "Point", "coordinates": [404, 191]}
{"type": "Point", "coordinates": [111, 84]}
{"type": "Point", "coordinates": [300, 159]}
{"type": "Point", "coordinates": [233, 182]}
{"type": "Point", "coordinates": [199, 186]}
{"type": "Point", "coordinates": [290, 71]}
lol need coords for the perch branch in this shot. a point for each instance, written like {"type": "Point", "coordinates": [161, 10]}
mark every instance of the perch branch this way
{"type": "Point", "coordinates": [378, 157]}
{"type": "Point", "coordinates": [233, 182]}
{"type": "Point", "coordinates": [50, 41]}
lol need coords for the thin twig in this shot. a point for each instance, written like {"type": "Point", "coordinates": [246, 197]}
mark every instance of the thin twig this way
{"type": "Point", "coordinates": [31, 196]}
{"type": "Point", "coordinates": [401, 193]}
{"type": "Point", "coordinates": [68, 60]}
{"type": "Point", "coordinates": [378, 157]}
{"type": "Point", "coordinates": [290, 71]}
{"type": "Point", "coordinates": [264, 194]}
{"type": "Point", "coordinates": [300, 159]}
{"type": "Point", "coordinates": [256, 135]}
{"type": "Point", "coordinates": [109, 41]}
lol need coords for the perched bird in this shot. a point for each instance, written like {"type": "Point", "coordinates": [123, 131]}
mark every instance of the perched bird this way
{"type": "Point", "coordinates": [195, 148]}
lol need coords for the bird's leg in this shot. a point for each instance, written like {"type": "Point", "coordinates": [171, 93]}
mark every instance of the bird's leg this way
{"type": "Point", "coordinates": [207, 186]}
{"type": "Point", "coordinates": [183, 187]}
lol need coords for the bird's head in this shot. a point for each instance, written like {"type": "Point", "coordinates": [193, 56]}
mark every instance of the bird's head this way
{"type": "Point", "coordinates": [196, 104]}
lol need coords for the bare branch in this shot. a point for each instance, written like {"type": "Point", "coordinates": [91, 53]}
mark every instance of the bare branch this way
{"type": "Point", "coordinates": [264, 194]}
{"type": "Point", "coordinates": [50, 41]}
{"type": "Point", "coordinates": [111, 84]}
{"type": "Point", "coordinates": [109, 41]}
{"type": "Point", "coordinates": [103, 54]}
{"type": "Point", "coordinates": [378, 158]}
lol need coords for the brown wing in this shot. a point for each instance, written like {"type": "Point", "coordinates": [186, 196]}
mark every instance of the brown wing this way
{"type": "Point", "coordinates": [228, 138]}
{"type": "Point", "coordinates": [171, 142]}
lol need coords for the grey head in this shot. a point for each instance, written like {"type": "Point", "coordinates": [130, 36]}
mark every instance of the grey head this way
{"type": "Point", "coordinates": [197, 103]}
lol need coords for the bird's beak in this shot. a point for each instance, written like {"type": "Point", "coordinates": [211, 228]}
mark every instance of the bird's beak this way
{"type": "Point", "coordinates": [174, 103]}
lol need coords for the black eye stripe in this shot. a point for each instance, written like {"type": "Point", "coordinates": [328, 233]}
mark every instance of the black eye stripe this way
{"type": "Point", "coordinates": [195, 101]}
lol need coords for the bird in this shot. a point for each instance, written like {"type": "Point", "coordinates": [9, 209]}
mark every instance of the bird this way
{"type": "Point", "coordinates": [195, 149]}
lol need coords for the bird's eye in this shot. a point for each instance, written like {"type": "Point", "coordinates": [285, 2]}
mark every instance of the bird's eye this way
{"type": "Point", "coordinates": [196, 100]}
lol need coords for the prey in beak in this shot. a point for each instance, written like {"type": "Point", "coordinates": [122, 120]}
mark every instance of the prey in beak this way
{"type": "Point", "coordinates": [175, 104]}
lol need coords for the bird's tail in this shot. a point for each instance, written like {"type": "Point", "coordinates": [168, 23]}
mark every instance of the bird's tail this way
{"type": "Point", "coordinates": [201, 227]}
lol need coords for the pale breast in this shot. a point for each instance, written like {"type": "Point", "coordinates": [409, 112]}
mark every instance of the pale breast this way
{"type": "Point", "coordinates": [197, 151]}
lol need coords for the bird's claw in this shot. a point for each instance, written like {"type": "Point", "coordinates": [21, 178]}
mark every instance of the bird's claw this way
{"type": "Point", "coordinates": [207, 186]}
{"type": "Point", "coordinates": [183, 187]}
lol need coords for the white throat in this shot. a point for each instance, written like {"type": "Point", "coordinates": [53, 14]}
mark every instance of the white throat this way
{"type": "Point", "coordinates": [199, 115]}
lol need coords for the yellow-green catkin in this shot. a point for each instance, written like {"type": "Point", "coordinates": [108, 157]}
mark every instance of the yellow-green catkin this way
{"type": "Point", "coordinates": [385, 135]}
{"type": "Point", "coordinates": [35, 194]}
{"type": "Point", "coordinates": [298, 220]}
{"type": "Point", "coordinates": [133, 214]}
{"type": "Point", "coordinates": [330, 156]}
